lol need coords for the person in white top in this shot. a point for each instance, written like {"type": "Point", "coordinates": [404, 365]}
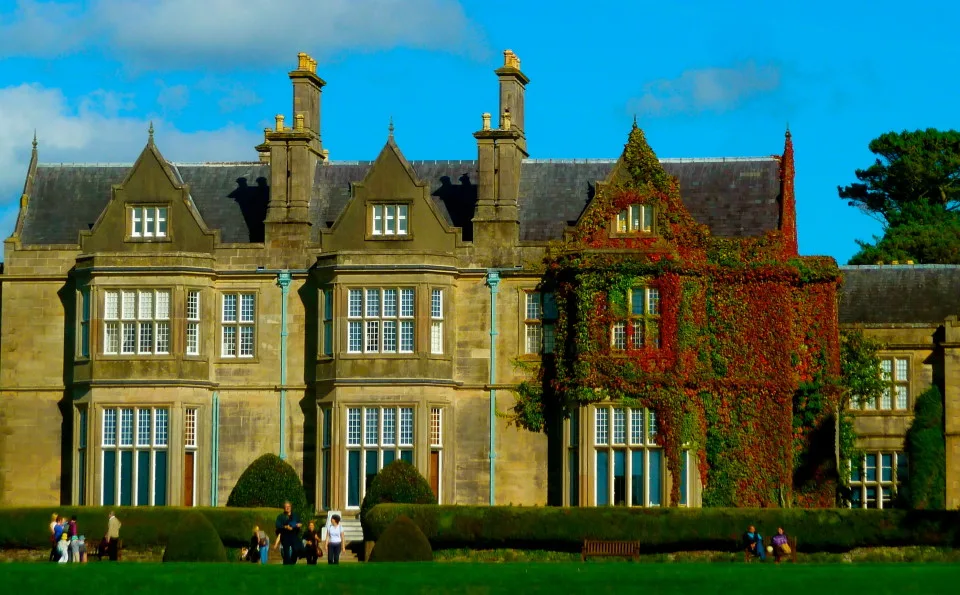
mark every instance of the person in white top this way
{"type": "Point", "coordinates": [335, 540]}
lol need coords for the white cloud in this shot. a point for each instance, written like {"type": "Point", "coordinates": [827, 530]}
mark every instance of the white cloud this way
{"type": "Point", "coordinates": [173, 99]}
{"type": "Point", "coordinates": [709, 89]}
{"type": "Point", "coordinates": [168, 34]}
{"type": "Point", "coordinates": [90, 130]}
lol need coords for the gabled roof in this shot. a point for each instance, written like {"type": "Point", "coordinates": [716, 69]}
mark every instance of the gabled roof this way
{"type": "Point", "coordinates": [904, 294]}
{"type": "Point", "coordinates": [733, 197]}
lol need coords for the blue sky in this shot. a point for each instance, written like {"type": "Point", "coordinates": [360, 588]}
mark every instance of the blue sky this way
{"type": "Point", "coordinates": [705, 79]}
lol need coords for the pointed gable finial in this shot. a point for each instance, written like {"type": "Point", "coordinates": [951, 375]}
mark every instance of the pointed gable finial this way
{"type": "Point", "coordinates": [150, 133]}
{"type": "Point", "coordinates": [635, 121]}
{"type": "Point", "coordinates": [788, 135]}
{"type": "Point", "coordinates": [390, 128]}
{"type": "Point", "coordinates": [34, 139]}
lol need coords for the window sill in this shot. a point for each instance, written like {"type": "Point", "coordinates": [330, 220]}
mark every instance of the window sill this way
{"type": "Point", "coordinates": [238, 360]}
{"type": "Point", "coordinates": [882, 412]}
{"type": "Point", "coordinates": [412, 355]}
{"type": "Point", "coordinates": [135, 356]}
{"type": "Point", "coordinates": [389, 238]}
{"type": "Point", "coordinates": [141, 240]}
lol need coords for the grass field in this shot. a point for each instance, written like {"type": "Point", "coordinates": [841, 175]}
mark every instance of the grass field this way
{"type": "Point", "coordinates": [470, 579]}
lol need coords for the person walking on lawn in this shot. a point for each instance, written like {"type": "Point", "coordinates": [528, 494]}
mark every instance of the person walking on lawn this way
{"type": "Point", "coordinates": [113, 537]}
{"type": "Point", "coordinates": [335, 540]}
{"type": "Point", "coordinates": [288, 533]}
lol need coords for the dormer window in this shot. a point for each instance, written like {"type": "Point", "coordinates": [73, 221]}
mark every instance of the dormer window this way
{"type": "Point", "coordinates": [389, 220]}
{"type": "Point", "coordinates": [635, 219]}
{"type": "Point", "coordinates": [148, 222]}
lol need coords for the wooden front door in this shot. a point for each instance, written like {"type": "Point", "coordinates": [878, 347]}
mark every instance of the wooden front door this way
{"type": "Point", "coordinates": [435, 473]}
{"type": "Point", "coordinates": [188, 473]}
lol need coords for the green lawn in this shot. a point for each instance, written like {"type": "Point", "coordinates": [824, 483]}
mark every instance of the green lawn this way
{"type": "Point", "coordinates": [469, 579]}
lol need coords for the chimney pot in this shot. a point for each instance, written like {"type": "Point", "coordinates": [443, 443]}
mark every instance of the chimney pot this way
{"type": "Point", "coordinates": [298, 122]}
{"type": "Point", "coordinates": [486, 120]}
{"type": "Point", "coordinates": [279, 119]}
{"type": "Point", "coordinates": [303, 61]}
{"type": "Point", "coordinates": [510, 60]}
{"type": "Point", "coordinates": [505, 121]}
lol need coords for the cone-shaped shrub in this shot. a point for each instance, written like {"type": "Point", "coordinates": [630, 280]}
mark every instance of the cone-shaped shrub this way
{"type": "Point", "coordinates": [194, 540]}
{"type": "Point", "coordinates": [267, 483]}
{"type": "Point", "coordinates": [402, 541]}
{"type": "Point", "coordinates": [397, 483]}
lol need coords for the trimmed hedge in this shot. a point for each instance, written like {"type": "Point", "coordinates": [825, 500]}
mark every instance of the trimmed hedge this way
{"type": "Point", "coordinates": [402, 541]}
{"type": "Point", "coordinates": [194, 540]}
{"type": "Point", "coordinates": [29, 527]}
{"type": "Point", "coordinates": [268, 482]}
{"type": "Point", "coordinates": [400, 483]}
{"type": "Point", "coordinates": [662, 530]}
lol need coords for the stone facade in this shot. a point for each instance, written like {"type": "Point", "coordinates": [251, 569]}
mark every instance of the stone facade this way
{"type": "Point", "coordinates": [165, 324]}
{"type": "Point", "coordinates": [912, 311]}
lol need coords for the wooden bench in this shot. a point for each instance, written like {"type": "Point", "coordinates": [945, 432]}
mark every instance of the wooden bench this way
{"type": "Point", "coordinates": [623, 549]}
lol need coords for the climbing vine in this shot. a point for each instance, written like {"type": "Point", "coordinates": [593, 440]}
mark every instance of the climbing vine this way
{"type": "Point", "coordinates": [746, 373]}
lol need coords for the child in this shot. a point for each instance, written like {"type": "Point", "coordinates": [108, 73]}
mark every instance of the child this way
{"type": "Point", "coordinates": [75, 549]}
{"type": "Point", "coordinates": [263, 544]}
{"type": "Point", "coordinates": [63, 549]}
{"type": "Point", "coordinates": [82, 549]}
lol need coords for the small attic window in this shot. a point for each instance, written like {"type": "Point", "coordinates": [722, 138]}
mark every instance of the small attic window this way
{"type": "Point", "coordinates": [389, 220]}
{"type": "Point", "coordinates": [148, 222]}
{"type": "Point", "coordinates": [635, 219]}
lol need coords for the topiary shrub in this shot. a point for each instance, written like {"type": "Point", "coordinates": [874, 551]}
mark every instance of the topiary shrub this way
{"type": "Point", "coordinates": [268, 482]}
{"type": "Point", "coordinates": [402, 541]}
{"type": "Point", "coordinates": [194, 540]}
{"type": "Point", "coordinates": [926, 454]}
{"type": "Point", "coordinates": [397, 483]}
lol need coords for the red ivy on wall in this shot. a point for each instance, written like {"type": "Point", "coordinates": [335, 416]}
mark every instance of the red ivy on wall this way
{"type": "Point", "coordinates": [746, 371]}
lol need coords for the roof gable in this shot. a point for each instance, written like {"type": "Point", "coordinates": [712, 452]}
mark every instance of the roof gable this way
{"type": "Point", "coordinates": [392, 180]}
{"type": "Point", "coordinates": [149, 183]}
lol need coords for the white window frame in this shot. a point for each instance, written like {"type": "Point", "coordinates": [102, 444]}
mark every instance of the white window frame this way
{"type": "Point", "coordinates": [629, 430]}
{"type": "Point", "coordinates": [636, 218]}
{"type": "Point", "coordinates": [140, 320]}
{"type": "Point", "coordinates": [390, 219]}
{"type": "Point", "coordinates": [363, 438]}
{"type": "Point", "coordinates": [634, 332]}
{"type": "Point", "coordinates": [436, 445]}
{"type": "Point", "coordinates": [233, 327]}
{"type": "Point", "coordinates": [436, 321]}
{"type": "Point", "coordinates": [156, 216]}
{"type": "Point", "coordinates": [368, 320]}
{"type": "Point", "coordinates": [157, 442]}
{"type": "Point", "coordinates": [860, 484]}
{"type": "Point", "coordinates": [193, 313]}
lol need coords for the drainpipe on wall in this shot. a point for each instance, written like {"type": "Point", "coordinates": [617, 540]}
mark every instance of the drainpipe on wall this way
{"type": "Point", "coordinates": [215, 448]}
{"type": "Point", "coordinates": [493, 281]}
{"type": "Point", "coordinates": [283, 281]}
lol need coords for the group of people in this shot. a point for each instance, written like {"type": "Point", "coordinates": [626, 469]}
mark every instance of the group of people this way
{"type": "Point", "coordinates": [292, 545]}
{"type": "Point", "coordinates": [67, 545]}
{"type": "Point", "coordinates": [779, 545]}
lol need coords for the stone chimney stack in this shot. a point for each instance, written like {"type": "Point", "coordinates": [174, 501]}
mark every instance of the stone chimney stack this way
{"type": "Point", "coordinates": [293, 153]}
{"type": "Point", "coordinates": [513, 86]}
{"type": "Point", "coordinates": [500, 154]}
{"type": "Point", "coordinates": [307, 88]}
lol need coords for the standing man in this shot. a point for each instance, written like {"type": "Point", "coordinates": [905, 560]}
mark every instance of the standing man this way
{"type": "Point", "coordinates": [113, 537]}
{"type": "Point", "coordinates": [288, 534]}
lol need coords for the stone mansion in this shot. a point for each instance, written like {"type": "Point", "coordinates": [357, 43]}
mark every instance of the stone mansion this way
{"type": "Point", "coordinates": [164, 324]}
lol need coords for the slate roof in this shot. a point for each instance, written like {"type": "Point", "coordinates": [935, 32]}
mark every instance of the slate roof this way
{"type": "Point", "coordinates": [888, 294]}
{"type": "Point", "coordinates": [734, 197]}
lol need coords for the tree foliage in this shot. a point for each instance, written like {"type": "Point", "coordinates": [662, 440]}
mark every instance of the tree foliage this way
{"type": "Point", "coordinates": [926, 453]}
{"type": "Point", "coordinates": [916, 177]}
{"type": "Point", "coordinates": [268, 482]}
{"type": "Point", "coordinates": [913, 188]}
